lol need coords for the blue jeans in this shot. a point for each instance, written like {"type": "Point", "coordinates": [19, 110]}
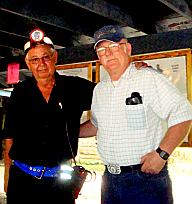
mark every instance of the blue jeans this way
{"type": "Point", "coordinates": [136, 188]}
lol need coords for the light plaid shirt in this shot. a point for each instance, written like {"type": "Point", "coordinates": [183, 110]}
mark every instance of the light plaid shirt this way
{"type": "Point", "coordinates": [127, 132]}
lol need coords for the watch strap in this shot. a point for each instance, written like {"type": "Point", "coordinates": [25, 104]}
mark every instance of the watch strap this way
{"type": "Point", "coordinates": [163, 154]}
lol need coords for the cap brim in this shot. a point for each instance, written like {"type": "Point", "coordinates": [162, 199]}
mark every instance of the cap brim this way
{"type": "Point", "coordinates": [99, 41]}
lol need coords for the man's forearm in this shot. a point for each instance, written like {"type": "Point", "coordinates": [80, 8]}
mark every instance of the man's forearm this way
{"type": "Point", "coordinates": [8, 144]}
{"type": "Point", "coordinates": [175, 136]}
{"type": "Point", "coordinates": [87, 129]}
{"type": "Point", "coordinates": [7, 161]}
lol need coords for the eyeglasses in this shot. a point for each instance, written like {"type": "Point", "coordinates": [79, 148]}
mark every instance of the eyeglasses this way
{"type": "Point", "coordinates": [114, 47]}
{"type": "Point", "coordinates": [36, 60]}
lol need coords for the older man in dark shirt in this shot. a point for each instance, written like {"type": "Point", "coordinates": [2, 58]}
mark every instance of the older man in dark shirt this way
{"type": "Point", "coordinates": [42, 127]}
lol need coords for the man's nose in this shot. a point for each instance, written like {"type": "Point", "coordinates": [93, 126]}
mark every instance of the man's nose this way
{"type": "Point", "coordinates": [108, 51]}
{"type": "Point", "coordinates": [41, 60]}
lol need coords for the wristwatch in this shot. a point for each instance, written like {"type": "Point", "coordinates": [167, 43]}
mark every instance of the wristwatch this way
{"type": "Point", "coordinates": [163, 154]}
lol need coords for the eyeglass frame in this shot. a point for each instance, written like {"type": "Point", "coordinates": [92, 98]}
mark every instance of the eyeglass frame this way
{"type": "Point", "coordinates": [110, 47]}
{"type": "Point", "coordinates": [38, 59]}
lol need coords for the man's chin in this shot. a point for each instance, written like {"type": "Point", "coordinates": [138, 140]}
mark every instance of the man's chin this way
{"type": "Point", "coordinates": [42, 76]}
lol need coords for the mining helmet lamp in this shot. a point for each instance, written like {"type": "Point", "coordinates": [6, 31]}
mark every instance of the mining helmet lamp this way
{"type": "Point", "coordinates": [36, 35]}
{"type": "Point", "coordinates": [37, 38]}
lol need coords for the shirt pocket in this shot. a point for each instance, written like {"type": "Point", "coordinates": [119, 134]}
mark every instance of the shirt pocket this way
{"type": "Point", "coordinates": [136, 117]}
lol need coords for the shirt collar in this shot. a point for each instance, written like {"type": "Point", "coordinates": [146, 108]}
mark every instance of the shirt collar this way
{"type": "Point", "coordinates": [130, 69]}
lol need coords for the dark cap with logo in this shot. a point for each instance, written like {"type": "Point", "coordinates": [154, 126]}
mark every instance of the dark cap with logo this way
{"type": "Point", "coordinates": [37, 38]}
{"type": "Point", "coordinates": [112, 33]}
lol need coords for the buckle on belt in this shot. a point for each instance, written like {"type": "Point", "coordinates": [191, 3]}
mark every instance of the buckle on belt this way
{"type": "Point", "coordinates": [42, 173]}
{"type": "Point", "coordinates": [114, 168]}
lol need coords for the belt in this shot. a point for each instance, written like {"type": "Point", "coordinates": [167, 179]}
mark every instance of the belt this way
{"type": "Point", "coordinates": [116, 169]}
{"type": "Point", "coordinates": [37, 171]}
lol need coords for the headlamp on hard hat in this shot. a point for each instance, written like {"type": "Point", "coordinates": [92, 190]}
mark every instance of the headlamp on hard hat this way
{"type": "Point", "coordinates": [37, 38]}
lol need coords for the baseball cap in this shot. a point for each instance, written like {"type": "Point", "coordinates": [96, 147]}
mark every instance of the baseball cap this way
{"type": "Point", "coordinates": [37, 38]}
{"type": "Point", "coordinates": [112, 33]}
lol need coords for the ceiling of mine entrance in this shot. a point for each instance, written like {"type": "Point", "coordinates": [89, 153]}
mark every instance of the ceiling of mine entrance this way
{"type": "Point", "coordinates": [71, 23]}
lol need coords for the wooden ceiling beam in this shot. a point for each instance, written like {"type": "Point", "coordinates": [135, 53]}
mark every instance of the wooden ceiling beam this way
{"type": "Point", "coordinates": [179, 6]}
{"type": "Point", "coordinates": [26, 10]}
{"type": "Point", "coordinates": [104, 9]}
{"type": "Point", "coordinates": [173, 40]}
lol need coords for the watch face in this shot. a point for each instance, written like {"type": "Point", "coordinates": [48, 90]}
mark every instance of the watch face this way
{"type": "Point", "coordinates": [164, 155]}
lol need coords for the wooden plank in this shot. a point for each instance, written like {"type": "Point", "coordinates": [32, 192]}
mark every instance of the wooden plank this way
{"type": "Point", "coordinates": [157, 55]}
{"type": "Point", "coordinates": [73, 65]}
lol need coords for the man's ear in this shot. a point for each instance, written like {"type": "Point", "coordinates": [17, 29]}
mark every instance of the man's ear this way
{"type": "Point", "coordinates": [55, 56]}
{"type": "Point", "coordinates": [129, 48]}
{"type": "Point", "coordinates": [27, 64]}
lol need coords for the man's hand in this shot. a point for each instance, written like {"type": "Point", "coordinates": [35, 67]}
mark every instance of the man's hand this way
{"type": "Point", "coordinates": [8, 163]}
{"type": "Point", "coordinates": [141, 64]}
{"type": "Point", "coordinates": [152, 163]}
{"type": "Point", "coordinates": [6, 178]}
